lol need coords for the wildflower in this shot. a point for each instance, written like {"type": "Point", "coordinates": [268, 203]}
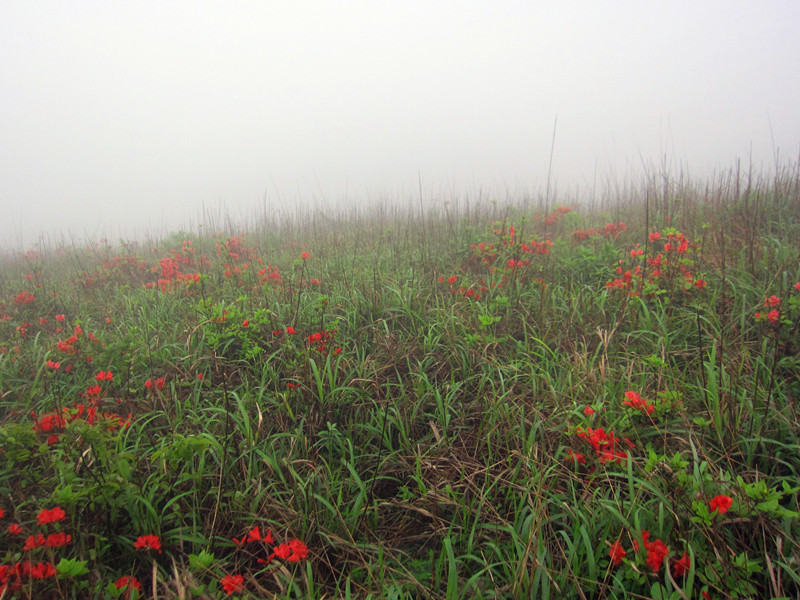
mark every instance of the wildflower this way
{"type": "Point", "coordinates": [578, 457]}
{"type": "Point", "coordinates": [700, 283]}
{"type": "Point", "coordinates": [246, 323]}
{"type": "Point", "coordinates": [14, 529]}
{"type": "Point", "coordinates": [797, 286]}
{"type": "Point", "coordinates": [772, 301]}
{"type": "Point", "coordinates": [681, 565]}
{"type": "Point", "coordinates": [305, 255]}
{"type": "Point", "coordinates": [157, 383]}
{"type": "Point", "coordinates": [588, 411]}
{"type": "Point", "coordinates": [33, 541]}
{"type": "Point", "coordinates": [56, 540]}
{"type": "Point", "coordinates": [232, 583]}
{"type": "Point", "coordinates": [127, 583]}
{"type": "Point", "coordinates": [634, 400]}
{"type": "Point", "coordinates": [253, 535]}
{"type": "Point", "coordinates": [2, 513]}
{"type": "Point", "coordinates": [53, 515]}
{"type": "Point", "coordinates": [720, 504]}
{"type": "Point", "coordinates": [51, 364]}
{"type": "Point", "coordinates": [151, 542]}
{"type": "Point", "coordinates": [104, 376]}
{"type": "Point", "coordinates": [773, 315]}
{"type": "Point", "coordinates": [60, 318]}
{"type": "Point", "coordinates": [657, 551]}
{"type": "Point", "coordinates": [294, 551]}
{"type": "Point", "coordinates": [616, 553]}
{"type": "Point", "coordinates": [290, 330]}
{"type": "Point", "coordinates": [42, 570]}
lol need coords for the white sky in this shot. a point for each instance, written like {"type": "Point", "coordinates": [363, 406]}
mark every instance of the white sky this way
{"type": "Point", "coordinates": [122, 116]}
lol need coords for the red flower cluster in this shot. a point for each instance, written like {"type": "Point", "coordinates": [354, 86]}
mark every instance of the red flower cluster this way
{"type": "Point", "coordinates": [663, 269]}
{"type": "Point", "coordinates": [52, 515]}
{"type": "Point", "coordinates": [53, 423]}
{"type": "Point", "coordinates": [634, 400]}
{"type": "Point", "coordinates": [148, 542]}
{"type": "Point", "coordinates": [293, 551]}
{"type": "Point", "coordinates": [254, 535]}
{"type": "Point", "coordinates": [720, 504]}
{"type": "Point", "coordinates": [605, 444]}
{"type": "Point", "coordinates": [270, 274]}
{"type": "Point", "coordinates": [128, 583]}
{"type": "Point", "coordinates": [320, 341]}
{"type": "Point", "coordinates": [12, 577]}
{"type": "Point", "coordinates": [617, 553]}
{"type": "Point", "coordinates": [24, 297]}
{"type": "Point", "coordinates": [554, 216]}
{"type": "Point", "coordinates": [104, 376]}
{"type": "Point", "coordinates": [157, 383]}
{"type": "Point", "coordinates": [612, 230]}
{"type": "Point", "coordinates": [232, 583]}
{"type": "Point", "coordinates": [54, 540]}
{"type": "Point", "coordinates": [773, 315]}
{"type": "Point", "coordinates": [657, 552]}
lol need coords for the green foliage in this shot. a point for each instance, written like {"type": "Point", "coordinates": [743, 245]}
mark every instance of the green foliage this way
{"type": "Point", "coordinates": [493, 402]}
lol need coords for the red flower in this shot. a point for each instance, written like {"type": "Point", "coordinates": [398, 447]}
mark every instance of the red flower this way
{"type": "Point", "coordinates": [253, 535]}
{"type": "Point", "coordinates": [42, 570]}
{"type": "Point", "coordinates": [127, 583]}
{"type": "Point", "coordinates": [151, 542]}
{"type": "Point", "coordinates": [616, 553]}
{"type": "Point", "coordinates": [588, 411]}
{"type": "Point", "coordinates": [14, 529]}
{"type": "Point", "coordinates": [721, 504]}
{"type": "Point", "coordinates": [2, 513]}
{"type": "Point", "coordinates": [772, 301]}
{"type": "Point", "coordinates": [774, 315]}
{"type": "Point", "coordinates": [305, 255]}
{"type": "Point", "coordinates": [158, 383]}
{"type": "Point", "coordinates": [56, 540]}
{"type": "Point", "coordinates": [246, 323]}
{"type": "Point", "coordinates": [634, 400]}
{"type": "Point", "coordinates": [681, 566]}
{"type": "Point", "coordinates": [33, 541]}
{"type": "Point", "coordinates": [290, 330]}
{"type": "Point", "coordinates": [283, 551]}
{"type": "Point", "coordinates": [51, 364]}
{"type": "Point", "coordinates": [657, 551]}
{"type": "Point", "coordinates": [299, 551]}
{"type": "Point", "coordinates": [232, 583]}
{"type": "Point", "coordinates": [51, 516]}
{"type": "Point", "coordinates": [576, 456]}
{"type": "Point", "coordinates": [104, 376]}
{"type": "Point", "coordinates": [294, 551]}
{"type": "Point", "coordinates": [60, 318]}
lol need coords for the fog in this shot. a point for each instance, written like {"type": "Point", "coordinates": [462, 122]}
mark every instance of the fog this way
{"type": "Point", "coordinates": [118, 118]}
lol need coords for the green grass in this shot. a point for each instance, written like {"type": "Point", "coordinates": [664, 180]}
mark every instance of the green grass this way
{"type": "Point", "coordinates": [433, 440]}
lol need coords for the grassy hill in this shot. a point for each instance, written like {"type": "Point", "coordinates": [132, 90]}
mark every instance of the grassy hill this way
{"type": "Point", "coordinates": [474, 400]}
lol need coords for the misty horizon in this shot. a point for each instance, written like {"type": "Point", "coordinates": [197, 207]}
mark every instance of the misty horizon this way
{"type": "Point", "coordinates": [119, 121]}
